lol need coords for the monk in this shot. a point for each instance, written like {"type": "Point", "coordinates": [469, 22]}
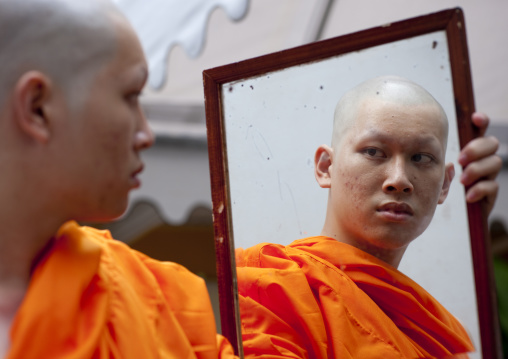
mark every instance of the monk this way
{"type": "Point", "coordinates": [71, 131]}
{"type": "Point", "coordinates": [339, 294]}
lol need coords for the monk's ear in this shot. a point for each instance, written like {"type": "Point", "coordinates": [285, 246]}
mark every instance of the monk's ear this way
{"type": "Point", "coordinates": [31, 98]}
{"type": "Point", "coordinates": [322, 166]}
{"type": "Point", "coordinates": [449, 174]}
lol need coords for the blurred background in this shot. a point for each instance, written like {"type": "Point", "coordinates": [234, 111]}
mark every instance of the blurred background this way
{"type": "Point", "coordinates": [169, 218]}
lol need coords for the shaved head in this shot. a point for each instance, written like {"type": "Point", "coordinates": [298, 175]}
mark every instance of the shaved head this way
{"type": "Point", "coordinates": [388, 149]}
{"type": "Point", "coordinates": [66, 40]}
{"type": "Point", "coordinates": [390, 89]}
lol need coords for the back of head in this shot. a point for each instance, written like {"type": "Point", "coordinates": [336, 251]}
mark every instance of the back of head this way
{"type": "Point", "coordinates": [67, 40]}
{"type": "Point", "coordinates": [391, 89]}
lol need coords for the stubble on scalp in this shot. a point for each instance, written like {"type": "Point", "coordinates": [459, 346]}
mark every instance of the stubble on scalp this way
{"type": "Point", "coordinates": [67, 40]}
{"type": "Point", "coordinates": [392, 89]}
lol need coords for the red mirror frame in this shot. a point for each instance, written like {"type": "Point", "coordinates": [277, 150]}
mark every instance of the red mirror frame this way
{"type": "Point", "coordinates": [452, 22]}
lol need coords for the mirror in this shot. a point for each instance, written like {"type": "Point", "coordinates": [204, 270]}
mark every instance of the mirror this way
{"type": "Point", "coordinates": [267, 116]}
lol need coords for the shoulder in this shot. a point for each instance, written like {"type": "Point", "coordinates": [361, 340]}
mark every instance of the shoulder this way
{"type": "Point", "coordinates": [127, 294]}
{"type": "Point", "coordinates": [253, 256]}
{"type": "Point", "coordinates": [269, 265]}
{"type": "Point", "coordinates": [280, 309]}
{"type": "Point", "coordinates": [124, 267]}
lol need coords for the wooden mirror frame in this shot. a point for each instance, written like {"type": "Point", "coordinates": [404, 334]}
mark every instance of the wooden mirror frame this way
{"type": "Point", "coordinates": [452, 22]}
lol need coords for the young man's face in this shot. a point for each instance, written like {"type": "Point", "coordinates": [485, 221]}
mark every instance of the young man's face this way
{"type": "Point", "coordinates": [109, 131]}
{"type": "Point", "coordinates": [387, 174]}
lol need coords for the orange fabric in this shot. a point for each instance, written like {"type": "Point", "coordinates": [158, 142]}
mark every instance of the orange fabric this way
{"type": "Point", "coordinates": [94, 297]}
{"type": "Point", "coordinates": [319, 298]}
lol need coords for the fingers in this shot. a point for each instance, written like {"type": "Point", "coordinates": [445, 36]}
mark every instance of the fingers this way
{"type": "Point", "coordinates": [477, 149]}
{"type": "Point", "coordinates": [481, 165]}
{"type": "Point", "coordinates": [481, 121]}
{"type": "Point", "coordinates": [481, 175]}
{"type": "Point", "coordinates": [483, 190]}
{"type": "Point", "coordinates": [486, 168]}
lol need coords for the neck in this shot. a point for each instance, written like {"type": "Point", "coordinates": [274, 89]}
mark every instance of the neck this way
{"type": "Point", "coordinates": [25, 234]}
{"type": "Point", "coordinates": [31, 206]}
{"type": "Point", "coordinates": [19, 253]}
{"type": "Point", "coordinates": [392, 256]}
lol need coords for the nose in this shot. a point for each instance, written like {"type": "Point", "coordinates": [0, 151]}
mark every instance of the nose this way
{"type": "Point", "coordinates": [397, 180]}
{"type": "Point", "coordinates": [144, 137]}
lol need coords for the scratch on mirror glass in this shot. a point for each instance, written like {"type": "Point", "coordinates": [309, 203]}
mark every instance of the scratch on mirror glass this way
{"type": "Point", "coordinates": [260, 143]}
{"type": "Point", "coordinates": [287, 187]}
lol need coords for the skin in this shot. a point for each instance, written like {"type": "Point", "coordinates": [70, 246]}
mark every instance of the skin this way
{"type": "Point", "coordinates": [386, 173]}
{"type": "Point", "coordinates": [66, 161]}
{"type": "Point", "coordinates": [66, 40]}
{"type": "Point", "coordinates": [107, 134]}
{"type": "Point", "coordinates": [481, 165]}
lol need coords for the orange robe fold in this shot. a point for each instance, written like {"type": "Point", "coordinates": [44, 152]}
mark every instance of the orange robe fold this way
{"type": "Point", "coordinates": [94, 297]}
{"type": "Point", "coordinates": [320, 298]}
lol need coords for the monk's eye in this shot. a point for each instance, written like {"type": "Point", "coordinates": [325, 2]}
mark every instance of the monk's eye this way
{"type": "Point", "coordinates": [133, 97]}
{"type": "Point", "coordinates": [373, 152]}
{"type": "Point", "coordinates": [421, 158]}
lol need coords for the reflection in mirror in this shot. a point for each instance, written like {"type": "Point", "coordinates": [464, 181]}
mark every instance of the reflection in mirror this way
{"type": "Point", "coordinates": [319, 297]}
{"type": "Point", "coordinates": [385, 170]}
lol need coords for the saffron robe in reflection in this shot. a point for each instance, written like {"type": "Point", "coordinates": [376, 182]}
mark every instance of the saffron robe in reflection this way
{"type": "Point", "coordinates": [94, 297]}
{"type": "Point", "coordinates": [319, 298]}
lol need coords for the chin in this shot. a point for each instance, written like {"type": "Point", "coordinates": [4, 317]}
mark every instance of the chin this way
{"type": "Point", "coordinates": [108, 218]}
{"type": "Point", "coordinates": [104, 214]}
{"type": "Point", "coordinates": [393, 240]}
{"type": "Point", "coordinates": [99, 218]}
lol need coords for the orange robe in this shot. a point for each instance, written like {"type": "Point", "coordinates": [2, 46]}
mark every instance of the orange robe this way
{"type": "Point", "coordinates": [319, 298]}
{"type": "Point", "coordinates": [94, 297]}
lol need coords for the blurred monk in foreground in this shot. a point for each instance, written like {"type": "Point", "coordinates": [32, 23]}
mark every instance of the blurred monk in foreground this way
{"type": "Point", "coordinates": [340, 295]}
{"type": "Point", "coordinates": [71, 130]}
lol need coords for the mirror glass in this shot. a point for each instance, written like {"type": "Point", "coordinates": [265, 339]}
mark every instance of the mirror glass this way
{"type": "Point", "coordinates": [266, 117]}
{"type": "Point", "coordinates": [273, 126]}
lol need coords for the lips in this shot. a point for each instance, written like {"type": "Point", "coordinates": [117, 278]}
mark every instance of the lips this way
{"type": "Point", "coordinates": [134, 177]}
{"type": "Point", "coordinates": [396, 211]}
{"type": "Point", "coordinates": [139, 170]}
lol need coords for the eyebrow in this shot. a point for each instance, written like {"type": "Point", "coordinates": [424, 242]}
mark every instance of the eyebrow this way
{"type": "Point", "coordinates": [136, 77]}
{"type": "Point", "coordinates": [420, 140]}
{"type": "Point", "coordinates": [143, 75]}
